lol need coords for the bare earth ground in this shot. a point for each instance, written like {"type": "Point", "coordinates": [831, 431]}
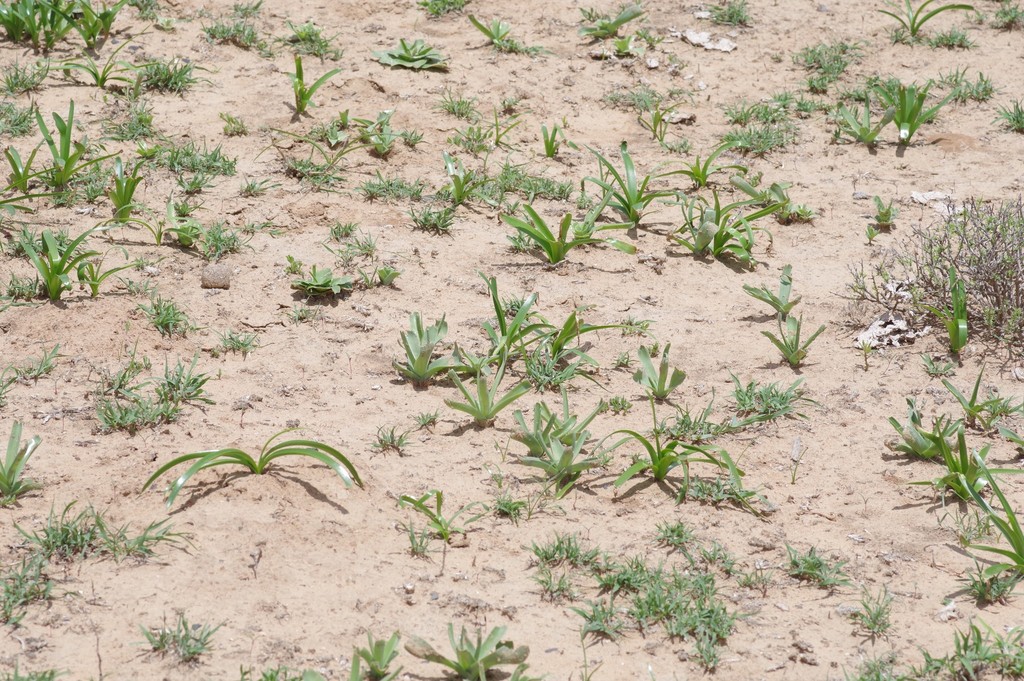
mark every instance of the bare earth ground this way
{"type": "Point", "coordinates": [299, 568]}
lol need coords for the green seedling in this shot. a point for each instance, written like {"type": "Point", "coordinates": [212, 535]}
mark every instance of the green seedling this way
{"type": "Point", "coordinates": [982, 414]}
{"type": "Point", "coordinates": [964, 475]}
{"type": "Point", "coordinates": [378, 134]}
{"type": "Point", "coordinates": [91, 273]}
{"type": "Point", "coordinates": [443, 528]}
{"type": "Point", "coordinates": [378, 656]}
{"type": "Point", "coordinates": [123, 191]}
{"type": "Point", "coordinates": [656, 120]}
{"type": "Point", "coordinates": [477, 139]}
{"type": "Point", "coordinates": [1005, 521]}
{"type": "Point", "coordinates": [304, 93]}
{"type": "Point", "coordinates": [663, 458]}
{"type": "Point", "coordinates": [659, 383]}
{"type": "Point", "coordinates": [857, 126]}
{"type": "Point", "coordinates": [713, 229]}
{"type": "Point", "coordinates": [935, 369]}
{"type": "Point", "coordinates": [94, 24]}
{"type": "Point", "coordinates": [485, 405]}
{"type": "Point", "coordinates": [12, 482]}
{"type": "Point", "coordinates": [473, 659]}
{"type": "Point", "coordinates": [21, 172]}
{"type": "Point", "coordinates": [911, 20]}
{"type": "Point", "coordinates": [955, 317]}
{"type": "Point", "coordinates": [628, 196]}
{"type": "Point", "coordinates": [871, 232]}
{"type": "Point", "coordinates": [182, 384]}
{"type": "Point", "coordinates": [386, 275]}
{"type": "Point", "coordinates": [701, 171]}
{"type": "Point", "coordinates": [558, 338]}
{"type": "Point", "coordinates": [563, 463]}
{"type": "Point", "coordinates": [551, 139]}
{"type": "Point", "coordinates": [416, 55]}
{"type": "Point", "coordinates": [788, 340]}
{"type": "Point", "coordinates": [547, 425]}
{"type": "Point", "coordinates": [232, 456]}
{"type": "Point", "coordinates": [322, 282]}
{"type": "Point", "coordinates": [1012, 437]}
{"type": "Point", "coordinates": [434, 221]}
{"type": "Point", "coordinates": [498, 33]}
{"type": "Point", "coordinates": [629, 46]}
{"type": "Point", "coordinates": [775, 193]}
{"type": "Point", "coordinates": [780, 302]}
{"type": "Point", "coordinates": [419, 343]}
{"type": "Point", "coordinates": [67, 154]}
{"type": "Point", "coordinates": [41, 23]}
{"type": "Point", "coordinates": [55, 263]}
{"type": "Point", "coordinates": [463, 183]}
{"type": "Point", "coordinates": [907, 104]}
{"type": "Point", "coordinates": [111, 72]}
{"type": "Point", "coordinates": [920, 442]}
{"type": "Point", "coordinates": [557, 247]}
{"type": "Point", "coordinates": [510, 335]}
{"type": "Point", "coordinates": [885, 213]}
{"type": "Point", "coordinates": [608, 27]}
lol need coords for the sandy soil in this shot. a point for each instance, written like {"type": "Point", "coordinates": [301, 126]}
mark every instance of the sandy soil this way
{"type": "Point", "coordinates": [296, 567]}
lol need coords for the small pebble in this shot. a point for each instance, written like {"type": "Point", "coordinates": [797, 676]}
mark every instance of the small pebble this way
{"type": "Point", "coordinates": [216, 276]}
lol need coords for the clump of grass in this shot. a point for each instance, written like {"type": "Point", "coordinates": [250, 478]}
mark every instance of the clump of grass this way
{"type": "Point", "coordinates": [88, 532]}
{"type": "Point", "coordinates": [309, 39]}
{"type": "Point", "coordinates": [1012, 116]}
{"type": "Point", "coordinates": [191, 158]}
{"type": "Point", "coordinates": [22, 585]}
{"type": "Point", "coordinates": [459, 106]}
{"type": "Point", "coordinates": [731, 13]}
{"type": "Point", "coordinates": [137, 124]}
{"type": "Point", "coordinates": [167, 317]}
{"type": "Point", "coordinates": [184, 641]}
{"type": "Point", "coordinates": [238, 32]}
{"type": "Point", "coordinates": [437, 221]}
{"type": "Point", "coordinates": [812, 567]}
{"type": "Point", "coordinates": [964, 90]}
{"type": "Point", "coordinates": [176, 76]}
{"type": "Point", "coordinates": [438, 8]}
{"type": "Point", "coordinates": [234, 126]}
{"type": "Point", "coordinates": [827, 62]}
{"type": "Point", "coordinates": [760, 138]}
{"type": "Point", "coordinates": [641, 99]}
{"type": "Point", "coordinates": [1009, 16]}
{"type": "Point", "coordinates": [952, 39]}
{"type": "Point", "coordinates": [17, 121]}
